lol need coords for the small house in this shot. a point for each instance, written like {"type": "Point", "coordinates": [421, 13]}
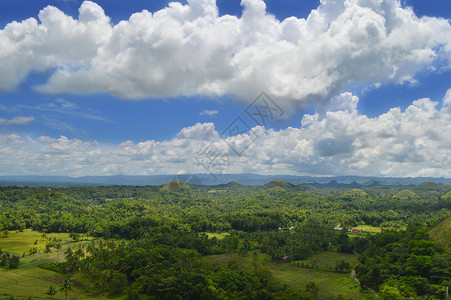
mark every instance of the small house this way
{"type": "Point", "coordinates": [356, 230]}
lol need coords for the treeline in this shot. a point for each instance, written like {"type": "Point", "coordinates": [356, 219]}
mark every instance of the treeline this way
{"type": "Point", "coordinates": [8, 260]}
{"type": "Point", "coordinates": [93, 210]}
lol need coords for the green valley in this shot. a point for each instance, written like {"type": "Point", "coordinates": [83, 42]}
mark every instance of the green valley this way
{"type": "Point", "coordinates": [230, 241]}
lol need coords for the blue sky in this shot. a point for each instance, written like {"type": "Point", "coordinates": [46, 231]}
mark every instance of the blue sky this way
{"type": "Point", "coordinates": [80, 84]}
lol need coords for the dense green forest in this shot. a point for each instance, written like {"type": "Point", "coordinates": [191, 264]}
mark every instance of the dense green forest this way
{"type": "Point", "coordinates": [165, 242]}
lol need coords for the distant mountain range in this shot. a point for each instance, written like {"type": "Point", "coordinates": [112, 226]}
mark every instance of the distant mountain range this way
{"type": "Point", "coordinates": [207, 179]}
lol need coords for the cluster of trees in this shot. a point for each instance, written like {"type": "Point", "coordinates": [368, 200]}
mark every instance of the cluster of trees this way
{"type": "Point", "coordinates": [8, 260]}
{"type": "Point", "coordinates": [143, 268]}
{"type": "Point", "coordinates": [405, 264]}
{"type": "Point", "coordinates": [66, 287]}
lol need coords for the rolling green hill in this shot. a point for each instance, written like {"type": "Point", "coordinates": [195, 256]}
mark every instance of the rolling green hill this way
{"type": "Point", "coordinates": [233, 185]}
{"type": "Point", "coordinates": [355, 192]}
{"type": "Point", "coordinates": [277, 189]}
{"type": "Point", "coordinates": [428, 185]}
{"type": "Point", "coordinates": [306, 188]}
{"type": "Point", "coordinates": [447, 195]}
{"type": "Point", "coordinates": [175, 186]}
{"type": "Point", "coordinates": [405, 194]}
{"type": "Point", "coordinates": [278, 183]}
{"type": "Point", "coordinates": [442, 233]}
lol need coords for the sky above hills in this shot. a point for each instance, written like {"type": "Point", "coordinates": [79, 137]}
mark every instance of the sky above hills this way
{"type": "Point", "coordinates": [355, 87]}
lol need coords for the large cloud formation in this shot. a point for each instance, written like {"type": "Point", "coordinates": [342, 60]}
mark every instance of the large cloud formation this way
{"type": "Point", "coordinates": [340, 141]}
{"type": "Point", "coordinates": [190, 49]}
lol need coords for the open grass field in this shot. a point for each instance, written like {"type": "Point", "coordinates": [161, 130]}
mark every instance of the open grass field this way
{"type": "Point", "coordinates": [22, 242]}
{"type": "Point", "coordinates": [370, 229]}
{"type": "Point", "coordinates": [32, 282]}
{"type": "Point", "coordinates": [327, 260]}
{"type": "Point", "coordinates": [29, 280]}
{"type": "Point", "coordinates": [219, 236]}
{"type": "Point", "coordinates": [330, 284]}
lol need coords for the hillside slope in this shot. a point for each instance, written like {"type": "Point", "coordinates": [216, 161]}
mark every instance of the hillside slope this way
{"type": "Point", "coordinates": [442, 233]}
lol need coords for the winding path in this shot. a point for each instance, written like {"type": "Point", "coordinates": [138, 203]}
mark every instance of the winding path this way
{"type": "Point", "coordinates": [358, 281]}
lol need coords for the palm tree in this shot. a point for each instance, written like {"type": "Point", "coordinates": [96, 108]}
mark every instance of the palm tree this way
{"type": "Point", "coordinates": [79, 253]}
{"type": "Point", "coordinates": [51, 291]}
{"type": "Point", "coordinates": [66, 287]}
{"type": "Point", "coordinates": [58, 248]}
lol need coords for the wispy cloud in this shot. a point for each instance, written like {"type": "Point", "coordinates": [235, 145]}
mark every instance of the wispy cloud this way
{"type": "Point", "coordinates": [60, 125]}
{"type": "Point", "coordinates": [17, 121]}
{"type": "Point", "coordinates": [210, 113]}
{"type": "Point", "coordinates": [63, 106]}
